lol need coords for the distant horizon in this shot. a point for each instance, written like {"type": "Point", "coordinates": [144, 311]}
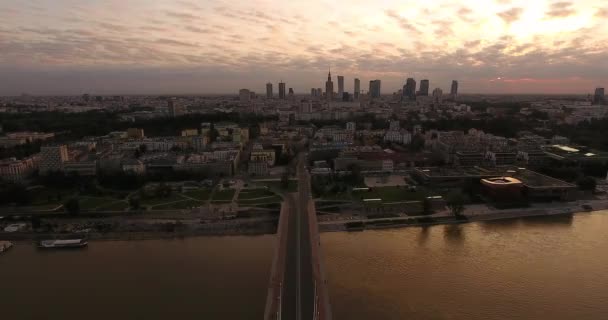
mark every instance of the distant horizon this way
{"type": "Point", "coordinates": [67, 47]}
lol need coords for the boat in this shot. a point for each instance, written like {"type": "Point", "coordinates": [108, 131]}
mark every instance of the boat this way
{"type": "Point", "coordinates": [59, 244]}
{"type": "Point", "coordinates": [5, 245]}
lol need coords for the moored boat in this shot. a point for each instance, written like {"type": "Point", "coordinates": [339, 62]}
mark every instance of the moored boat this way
{"type": "Point", "coordinates": [59, 244]}
{"type": "Point", "coordinates": [5, 245]}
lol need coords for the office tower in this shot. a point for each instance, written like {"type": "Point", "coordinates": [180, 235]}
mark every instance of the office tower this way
{"type": "Point", "coordinates": [52, 158]}
{"type": "Point", "coordinates": [424, 88]}
{"type": "Point", "coordinates": [357, 88]}
{"type": "Point", "coordinates": [409, 89]}
{"type": "Point", "coordinates": [437, 95]}
{"type": "Point", "coordinates": [281, 90]}
{"type": "Point", "coordinates": [291, 91]}
{"type": "Point", "coordinates": [313, 92]}
{"type": "Point", "coordinates": [374, 89]}
{"type": "Point", "coordinates": [175, 109]}
{"type": "Point", "coordinates": [244, 96]}
{"type": "Point", "coordinates": [269, 90]}
{"type": "Point", "coordinates": [319, 92]}
{"type": "Point", "coordinates": [329, 87]}
{"type": "Point", "coordinates": [598, 97]}
{"type": "Point", "coordinates": [454, 90]}
{"type": "Point", "coordinates": [340, 86]}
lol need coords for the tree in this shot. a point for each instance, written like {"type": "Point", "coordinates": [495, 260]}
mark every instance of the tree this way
{"type": "Point", "coordinates": [586, 183]}
{"type": "Point", "coordinates": [285, 181]}
{"type": "Point", "coordinates": [134, 203]}
{"type": "Point", "coordinates": [455, 201]}
{"type": "Point", "coordinates": [72, 206]}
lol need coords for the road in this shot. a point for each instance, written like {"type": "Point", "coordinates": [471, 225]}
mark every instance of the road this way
{"type": "Point", "coordinates": [298, 289]}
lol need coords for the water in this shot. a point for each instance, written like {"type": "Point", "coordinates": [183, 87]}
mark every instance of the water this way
{"type": "Point", "coordinates": [538, 268]}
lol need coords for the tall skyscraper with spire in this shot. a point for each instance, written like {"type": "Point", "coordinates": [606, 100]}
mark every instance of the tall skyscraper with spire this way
{"type": "Point", "coordinates": [329, 87]}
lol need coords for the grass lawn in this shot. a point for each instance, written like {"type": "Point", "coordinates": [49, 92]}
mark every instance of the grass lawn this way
{"type": "Point", "coordinates": [337, 196]}
{"type": "Point", "coordinates": [199, 194]}
{"type": "Point", "coordinates": [114, 206]}
{"type": "Point", "coordinates": [292, 186]}
{"type": "Point", "coordinates": [391, 194]}
{"type": "Point", "coordinates": [224, 195]}
{"type": "Point", "coordinates": [271, 199]}
{"type": "Point", "coordinates": [254, 193]}
{"type": "Point", "coordinates": [186, 204]}
{"type": "Point", "coordinates": [155, 201]}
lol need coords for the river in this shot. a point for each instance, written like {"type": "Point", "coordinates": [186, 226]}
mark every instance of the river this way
{"type": "Point", "coordinates": [533, 268]}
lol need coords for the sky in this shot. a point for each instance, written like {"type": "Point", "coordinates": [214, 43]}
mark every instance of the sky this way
{"type": "Point", "coordinates": [216, 46]}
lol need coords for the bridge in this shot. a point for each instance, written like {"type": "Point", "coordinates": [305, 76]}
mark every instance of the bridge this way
{"type": "Point", "coordinates": [297, 289]}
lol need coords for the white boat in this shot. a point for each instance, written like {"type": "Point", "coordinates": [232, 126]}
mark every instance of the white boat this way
{"type": "Point", "coordinates": [57, 244]}
{"type": "Point", "coordinates": [5, 245]}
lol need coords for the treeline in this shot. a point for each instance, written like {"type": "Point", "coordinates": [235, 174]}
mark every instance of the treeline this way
{"type": "Point", "coordinates": [95, 123]}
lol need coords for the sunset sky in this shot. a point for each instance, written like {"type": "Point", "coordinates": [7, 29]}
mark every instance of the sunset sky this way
{"type": "Point", "coordinates": [199, 46]}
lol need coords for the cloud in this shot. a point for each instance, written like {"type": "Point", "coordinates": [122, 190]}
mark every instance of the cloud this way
{"type": "Point", "coordinates": [511, 15]}
{"type": "Point", "coordinates": [402, 22]}
{"type": "Point", "coordinates": [561, 10]}
{"type": "Point", "coordinates": [182, 15]}
{"type": "Point", "coordinates": [112, 27]}
{"type": "Point", "coordinates": [602, 13]}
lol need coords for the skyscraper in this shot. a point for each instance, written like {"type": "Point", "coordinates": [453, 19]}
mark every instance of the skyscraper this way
{"type": "Point", "coordinates": [409, 89]}
{"type": "Point", "coordinates": [598, 97]}
{"type": "Point", "coordinates": [357, 88]}
{"type": "Point", "coordinates": [340, 86]}
{"type": "Point", "coordinates": [175, 110]}
{"type": "Point", "coordinates": [269, 90]}
{"type": "Point", "coordinates": [424, 88]}
{"type": "Point", "coordinates": [454, 90]}
{"type": "Point", "coordinates": [329, 87]}
{"type": "Point", "coordinates": [437, 95]}
{"type": "Point", "coordinates": [244, 96]}
{"type": "Point", "coordinates": [281, 90]}
{"type": "Point", "coordinates": [374, 89]}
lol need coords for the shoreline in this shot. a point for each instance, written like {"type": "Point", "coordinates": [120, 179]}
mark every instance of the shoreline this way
{"type": "Point", "coordinates": [441, 218]}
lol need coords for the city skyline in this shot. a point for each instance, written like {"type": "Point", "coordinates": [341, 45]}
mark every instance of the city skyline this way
{"type": "Point", "coordinates": [190, 47]}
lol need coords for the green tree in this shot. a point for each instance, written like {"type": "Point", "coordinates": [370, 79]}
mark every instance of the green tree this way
{"type": "Point", "coordinates": [134, 203]}
{"type": "Point", "coordinates": [455, 201]}
{"type": "Point", "coordinates": [72, 206]}
{"type": "Point", "coordinates": [285, 181]}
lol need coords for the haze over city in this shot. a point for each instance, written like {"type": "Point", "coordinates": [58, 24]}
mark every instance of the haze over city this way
{"type": "Point", "coordinates": [202, 47]}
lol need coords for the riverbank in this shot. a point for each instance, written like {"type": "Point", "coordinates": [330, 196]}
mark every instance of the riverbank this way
{"type": "Point", "coordinates": [472, 213]}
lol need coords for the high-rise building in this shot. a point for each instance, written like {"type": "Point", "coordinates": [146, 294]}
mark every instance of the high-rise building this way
{"type": "Point", "coordinates": [52, 158]}
{"type": "Point", "coordinates": [329, 87]}
{"type": "Point", "coordinates": [269, 90]}
{"type": "Point", "coordinates": [437, 95]}
{"type": "Point", "coordinates": [598, 97]}
{"type": "Point", "coordinates": [374, 89]}
{"type": "Point", "coordinates": [340, 86]}
{"type": "Point", "coordinates": [175, 109]}
{"type": "Point", "coordinates": [313, 92]}
{"type": "Point", "coordinates": [454, 90]}
{"type": "Point", "coordinates": [281, 90]}
{"type": "Point", "coordinates": [357, 88]}
{"type": "Point", "coordinates": [424, 88]}
{"type": "Point", "coordinates": [409, 89]}
{"type": "Point", "coordinates": [244, 96]}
